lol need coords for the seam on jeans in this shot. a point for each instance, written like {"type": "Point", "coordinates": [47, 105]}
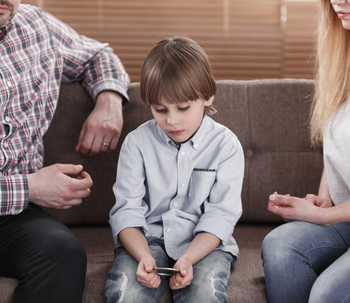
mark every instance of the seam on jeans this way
{"type": "Point", "coordinates": [345, 299]}
{"type": "Point", "coordinates": [307, 263]}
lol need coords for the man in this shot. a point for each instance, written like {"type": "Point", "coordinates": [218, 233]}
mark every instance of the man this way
{"type": "Point", "coordinates": [37, 52]}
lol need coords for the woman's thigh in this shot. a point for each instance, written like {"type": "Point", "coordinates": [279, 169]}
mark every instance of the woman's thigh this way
{"type": "Point", "coordinates": [333, 284]}
{"type": "Point", "coordinates": [296, 253]}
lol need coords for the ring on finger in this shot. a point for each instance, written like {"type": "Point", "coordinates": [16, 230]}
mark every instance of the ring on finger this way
{"type": "Point", "coordinates": [105, 144]}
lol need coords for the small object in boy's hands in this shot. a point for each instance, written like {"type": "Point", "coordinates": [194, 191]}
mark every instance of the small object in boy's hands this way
{"type": "Point", "coordinates": [165, 271]}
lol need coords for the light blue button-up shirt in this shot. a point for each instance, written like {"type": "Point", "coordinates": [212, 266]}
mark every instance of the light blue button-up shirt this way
{"type": "Point", "coordinates": [176, 192]}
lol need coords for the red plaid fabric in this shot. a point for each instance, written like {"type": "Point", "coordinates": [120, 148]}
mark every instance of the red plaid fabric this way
{"type": "Point", "coordinates": [37, 53]}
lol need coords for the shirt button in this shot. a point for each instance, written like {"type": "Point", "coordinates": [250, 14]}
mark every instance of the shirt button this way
{"type": "Point", "coordinates": [183, 153]}
{"type": "Point", "coordinates": [182, 184]}
{"type": "Point", "coordinates": [195, 145]}
{"type": "Point", "coordinates": [9, 84]}
{"type": "Point", "coordinates": [168, 230]}
{"type": "Point", "coordinates": [13, 210]}
{"type": "Point", "coordinates": [7, 119]}
{"type": "Point", "coordinates": [6, 145]}
{"type": "Point", "coordinates": [175, 204]}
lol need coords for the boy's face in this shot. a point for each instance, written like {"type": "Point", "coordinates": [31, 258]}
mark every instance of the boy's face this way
{"type": "Point", "coordinates": [180, 121]}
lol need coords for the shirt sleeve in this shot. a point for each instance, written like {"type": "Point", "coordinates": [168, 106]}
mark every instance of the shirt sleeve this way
{"type": "Point", "coordinates": [129, 190]}
{"type": "Point", "coordinates": [88, 61]}
{"type": "Point", "coordinates": [14, 194]}
{"type": "Point", "coordinates": [223, 208]}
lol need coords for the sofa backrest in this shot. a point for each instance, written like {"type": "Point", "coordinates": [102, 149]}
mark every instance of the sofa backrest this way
{"type": "Point", "coordinates": [270, 117]}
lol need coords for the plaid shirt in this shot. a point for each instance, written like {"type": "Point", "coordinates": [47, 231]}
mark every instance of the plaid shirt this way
{"type": "Point", "coordinates": [37, 52]}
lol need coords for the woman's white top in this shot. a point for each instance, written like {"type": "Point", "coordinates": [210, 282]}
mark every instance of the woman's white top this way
{"type": "Point", "coordinates": [336, 153]}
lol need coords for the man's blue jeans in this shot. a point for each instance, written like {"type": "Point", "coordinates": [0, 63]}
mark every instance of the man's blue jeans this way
{"type": "Point", "coordinates": [210, 278]}
{"type": "Point", "coordinates": [305, 262]}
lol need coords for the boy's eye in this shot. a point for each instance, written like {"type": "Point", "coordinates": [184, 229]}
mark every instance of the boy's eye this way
{"type": "Point", "coordinates": [184, 108]}
{"type": "Point", "coordinates": [160, 110]}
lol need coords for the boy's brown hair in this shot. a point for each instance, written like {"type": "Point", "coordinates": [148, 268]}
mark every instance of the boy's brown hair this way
{"type": "Point", "coordinates": [177, 70]}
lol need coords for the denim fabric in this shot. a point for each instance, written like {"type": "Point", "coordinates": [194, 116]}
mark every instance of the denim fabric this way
{"type": "Point", "coordinates": [305, 262]}
{"type": "Point", "coordinates": [210, 278]}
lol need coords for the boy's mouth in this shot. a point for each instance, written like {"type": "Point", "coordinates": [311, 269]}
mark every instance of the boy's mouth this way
{"type": "Point", "coordinates": [176, 132]}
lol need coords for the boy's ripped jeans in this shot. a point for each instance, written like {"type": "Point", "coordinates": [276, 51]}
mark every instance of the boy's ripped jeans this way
{"type": "Point", "coordinates": [210, 278]}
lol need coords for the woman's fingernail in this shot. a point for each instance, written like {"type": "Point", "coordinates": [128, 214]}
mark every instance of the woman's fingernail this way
{"type": "Point", "coordinates": [272, 197]}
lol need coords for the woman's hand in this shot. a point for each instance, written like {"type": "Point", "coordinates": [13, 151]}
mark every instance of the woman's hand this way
{"type": "Point", "coordinates": [311, 209]}
{"type": "Point", "coordinates": [318, 201]}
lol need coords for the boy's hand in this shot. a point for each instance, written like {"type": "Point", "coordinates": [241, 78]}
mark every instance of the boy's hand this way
{"type": "Point", "coordinates": [184, 277]}
{"type": "Point", "coordinates": [145, 273]}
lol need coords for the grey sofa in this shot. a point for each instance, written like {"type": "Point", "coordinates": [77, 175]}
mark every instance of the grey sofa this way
{"type": "Point", "coordinates": [270, 117]}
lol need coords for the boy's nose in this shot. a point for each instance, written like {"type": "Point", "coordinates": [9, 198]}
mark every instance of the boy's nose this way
{"type": "Point", "coordinates": [171, 119]}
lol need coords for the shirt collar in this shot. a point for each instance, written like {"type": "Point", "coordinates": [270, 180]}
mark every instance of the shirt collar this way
{"type": "Point", "coordinates": [195, 140]}
{"type": "Point", "coordinates": [4, 30]}
{"type": "Point", "coordinates": [198, 137]}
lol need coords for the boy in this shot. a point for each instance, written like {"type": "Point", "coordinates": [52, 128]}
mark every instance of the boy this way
{"type": "Point", "coordinates": [178, 186]}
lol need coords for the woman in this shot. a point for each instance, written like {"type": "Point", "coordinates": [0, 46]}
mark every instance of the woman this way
{"type": "Point", "coordinates": [307, 260]}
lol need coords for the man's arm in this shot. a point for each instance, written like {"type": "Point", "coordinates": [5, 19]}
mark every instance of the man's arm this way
{"type": "Point", "coordinates": [102, 75]}
{"type": "Point", "coordinates": [101, 130]}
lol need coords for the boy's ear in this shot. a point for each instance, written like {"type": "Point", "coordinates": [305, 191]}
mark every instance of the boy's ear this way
{"type": "Point", "coordinates": [209, 101]}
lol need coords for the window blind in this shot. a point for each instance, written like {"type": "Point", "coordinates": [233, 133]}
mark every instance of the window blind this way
{"type": "Point", "coordinates": [244, 39]}
{"type": "Point", "coordinates": [299, 38]}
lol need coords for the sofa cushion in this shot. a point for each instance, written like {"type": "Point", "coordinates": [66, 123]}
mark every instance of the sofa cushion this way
{"type": "Point", "coordinates": [270, 117]}
{"type": "Point", "coordinates": [60, 140]}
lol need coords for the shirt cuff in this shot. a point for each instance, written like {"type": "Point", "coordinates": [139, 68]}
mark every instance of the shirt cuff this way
{"type": "Point", "coordinates": [124, 219]}
{"type": "Point", "coordinates": [111, 85]}
{"type": "Point", "coordinates": [14, 194]}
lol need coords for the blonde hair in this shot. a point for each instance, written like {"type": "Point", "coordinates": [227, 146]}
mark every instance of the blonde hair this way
{"type": "Point", "coordinates": [177, 70]}
{"type": "Point", "coordinates": [333, 70]}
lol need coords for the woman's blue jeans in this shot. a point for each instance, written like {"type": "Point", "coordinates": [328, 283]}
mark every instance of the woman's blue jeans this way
{"type": "Point", "coordinates": [210, 278]}
{"type": "Point", "coordinates": [305, 262]}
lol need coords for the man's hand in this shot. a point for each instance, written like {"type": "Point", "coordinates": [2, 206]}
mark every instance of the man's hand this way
{"type": "Point", "coordinates": [184, 277]}
{"type": "Point", "coordinates": [102, 129]}
{"type": "Point", "coordinates": [52, 187]}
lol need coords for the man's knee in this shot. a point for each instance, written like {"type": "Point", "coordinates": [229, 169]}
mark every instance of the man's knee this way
{"type": "Point", "coordinates": [64, 250]}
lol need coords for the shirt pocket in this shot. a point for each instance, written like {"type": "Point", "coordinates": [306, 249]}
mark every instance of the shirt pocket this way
{"type": "Point", "coordinates": [201, 183]}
